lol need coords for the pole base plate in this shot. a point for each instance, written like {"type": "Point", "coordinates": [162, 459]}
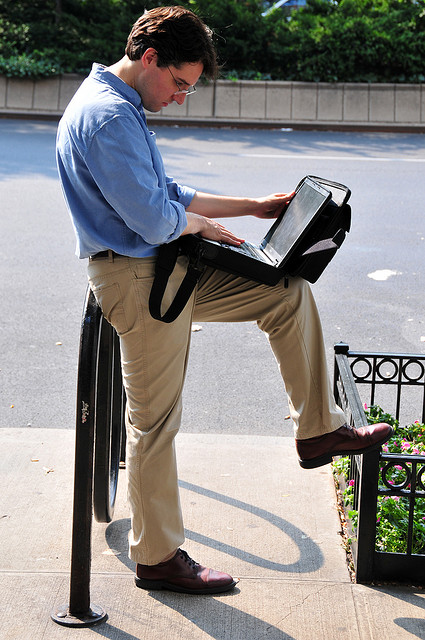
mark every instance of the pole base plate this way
{"type": "Point", "coordinates": [62, 615]}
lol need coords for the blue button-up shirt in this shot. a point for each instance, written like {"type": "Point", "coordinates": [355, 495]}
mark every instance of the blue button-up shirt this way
{"type": "Point", "coordinates": [112, 172]}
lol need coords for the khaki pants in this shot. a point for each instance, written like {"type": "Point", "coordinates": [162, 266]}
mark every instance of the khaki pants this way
{"type": "Point", "coordinates": [154, 358]}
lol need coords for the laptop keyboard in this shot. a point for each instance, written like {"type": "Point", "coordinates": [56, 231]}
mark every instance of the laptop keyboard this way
{"type": "Point", "coordinates": [245, 248]}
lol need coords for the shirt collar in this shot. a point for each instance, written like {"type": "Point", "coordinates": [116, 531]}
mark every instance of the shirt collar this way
{"type": "Point", "coordinates": [100, 73]}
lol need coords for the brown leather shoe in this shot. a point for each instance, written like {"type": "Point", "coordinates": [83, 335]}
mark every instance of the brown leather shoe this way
{"type": "Point", "coordinates": [317, 451]}
{"type": "Point", "coordinates": [184, 575]}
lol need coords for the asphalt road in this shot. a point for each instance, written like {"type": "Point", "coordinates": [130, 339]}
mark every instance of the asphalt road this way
{"type": "Point", "coordinates": [371, 296]}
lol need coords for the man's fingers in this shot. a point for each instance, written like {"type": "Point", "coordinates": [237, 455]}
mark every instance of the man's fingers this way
{"type": "Point", "coordinates": [216, 231]}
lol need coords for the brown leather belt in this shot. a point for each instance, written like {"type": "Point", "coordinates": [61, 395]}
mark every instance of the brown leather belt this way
{"type": "Point", "coordinates": [108, 253]}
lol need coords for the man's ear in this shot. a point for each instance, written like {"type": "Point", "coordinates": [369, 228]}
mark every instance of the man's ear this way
{"type": "Point", "coordinates": [149, 57]}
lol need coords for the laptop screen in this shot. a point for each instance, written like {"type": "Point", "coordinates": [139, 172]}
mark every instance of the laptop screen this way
{"type": "Point", "coordinates": [285, 234]}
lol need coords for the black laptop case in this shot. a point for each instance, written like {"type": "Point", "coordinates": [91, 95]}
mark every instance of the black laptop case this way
{"type": "Point", "coordinates": [325, 237]}
{"type": "Point", "coordinates": [308, 258]}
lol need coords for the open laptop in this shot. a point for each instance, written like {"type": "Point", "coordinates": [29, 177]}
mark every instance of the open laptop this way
{"type": "Point", "coordinates": [266, 261]}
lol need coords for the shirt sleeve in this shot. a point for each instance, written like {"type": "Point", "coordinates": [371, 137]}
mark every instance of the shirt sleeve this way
{"type": "Point", "coordinates": [128, 170]}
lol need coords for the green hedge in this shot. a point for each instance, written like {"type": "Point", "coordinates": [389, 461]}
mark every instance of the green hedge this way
{"type": "Point", "coordinates": [328, 40]}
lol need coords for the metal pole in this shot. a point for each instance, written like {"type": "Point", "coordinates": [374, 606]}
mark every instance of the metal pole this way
{"type": "Point", "coordinates": [79, 613]}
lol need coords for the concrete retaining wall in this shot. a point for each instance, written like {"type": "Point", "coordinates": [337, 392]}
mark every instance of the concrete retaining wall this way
{"type": "Point", "coordinates": [282, 104]}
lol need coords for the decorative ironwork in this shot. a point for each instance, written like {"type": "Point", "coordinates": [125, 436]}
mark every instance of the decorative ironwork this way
{"type": "Point", "coordinates": [373, 473]}
{"type": "Point", "coordinates": [390, 484]}
{"type": "Point", "coordinates": [397, 371]}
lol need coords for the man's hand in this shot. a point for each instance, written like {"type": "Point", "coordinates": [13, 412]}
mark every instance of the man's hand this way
{"type": "Point", "coordinates": [210, 229]}
{"type": "Point", "coordinates": [205, 208]}
{"type": "Point", "coordinates": [273, 205]}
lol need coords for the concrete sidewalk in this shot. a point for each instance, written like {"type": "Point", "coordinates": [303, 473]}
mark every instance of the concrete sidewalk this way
{"type": "Point", "coordinates": [249, 510]}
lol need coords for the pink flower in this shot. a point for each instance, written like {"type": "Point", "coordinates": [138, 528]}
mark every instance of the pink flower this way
{"type": "Point", "coordinates": [385, 448]}
{"type": "Point", "coordinates": [415, 450]}
{"type": "Point", "coordinates": [351, 483]}
{"type": "Point", "coordinates": [365, 406]}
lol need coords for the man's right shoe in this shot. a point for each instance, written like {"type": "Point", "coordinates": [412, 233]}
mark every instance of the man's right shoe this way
{"type": "Point", "coordinates": [184, 575]}
{"type": "Point", "coordinates": [345, 441]}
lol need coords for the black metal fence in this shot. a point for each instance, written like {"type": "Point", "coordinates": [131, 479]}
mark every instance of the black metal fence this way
{"type": "Point", "coordinates": [99, 449]}
{"type": "Point", "coordinates": [397, 383]}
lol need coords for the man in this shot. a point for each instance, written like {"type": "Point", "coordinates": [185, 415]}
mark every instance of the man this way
{"type": "Point", "coordinates": [123, 206]}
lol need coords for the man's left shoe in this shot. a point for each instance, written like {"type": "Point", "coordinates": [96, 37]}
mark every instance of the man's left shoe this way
{"type": "Point", "coordinates": [317, 451]}
{"type": "Point", "coordinates": [184, 575]}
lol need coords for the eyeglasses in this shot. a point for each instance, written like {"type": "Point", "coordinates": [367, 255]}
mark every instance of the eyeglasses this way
{"type": "Point", "coordinates": [182, 92]}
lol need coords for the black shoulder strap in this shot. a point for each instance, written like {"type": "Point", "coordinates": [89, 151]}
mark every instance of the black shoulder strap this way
{"type": "Point", "coordinates": [166, 261]}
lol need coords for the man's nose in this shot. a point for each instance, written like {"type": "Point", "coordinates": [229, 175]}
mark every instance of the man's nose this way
{"type": "Point", "coordinates": [179, 98]}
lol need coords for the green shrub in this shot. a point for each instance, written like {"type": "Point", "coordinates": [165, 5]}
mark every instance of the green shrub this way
{"type": "Point", "coordinates": [327, 41]}
{"type": "Point", "coordinates": [28, 66]}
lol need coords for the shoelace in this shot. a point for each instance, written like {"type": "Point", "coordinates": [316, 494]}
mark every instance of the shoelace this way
{"type": "Point", "coordinates": [186, 557]}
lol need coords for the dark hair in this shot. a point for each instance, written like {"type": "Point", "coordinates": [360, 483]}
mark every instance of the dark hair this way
{"type": "Point", "coordinates": [177, 35]}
